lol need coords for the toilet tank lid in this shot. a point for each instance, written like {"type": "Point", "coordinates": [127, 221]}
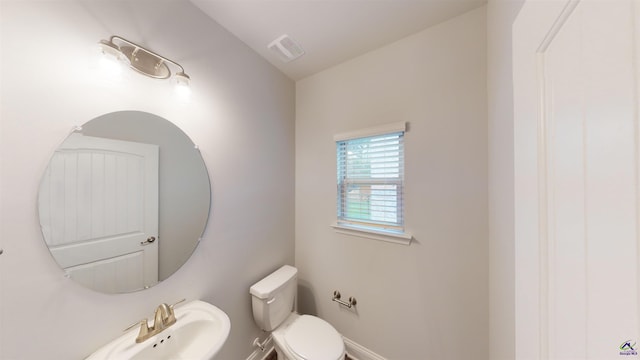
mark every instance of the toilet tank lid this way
{"type": "Point", "coordinates": [265, 287]}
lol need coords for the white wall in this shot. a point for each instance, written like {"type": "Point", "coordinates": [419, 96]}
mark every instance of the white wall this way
{"type": "Point", "coordinates": [240, 113]}
{"type": "Point", "coordinates": [428, 300]}
{"type": "Point", "coordinates": [500, 17]}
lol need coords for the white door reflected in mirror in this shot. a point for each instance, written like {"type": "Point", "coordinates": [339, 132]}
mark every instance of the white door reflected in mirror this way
{"type": "Point", "coordinates": [98, 204]}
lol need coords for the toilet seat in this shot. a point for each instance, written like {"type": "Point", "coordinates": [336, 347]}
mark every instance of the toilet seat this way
{"type": "Point", "coordinates": [311, 338]}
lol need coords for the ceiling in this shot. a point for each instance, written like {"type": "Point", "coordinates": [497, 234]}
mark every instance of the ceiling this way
{"type": "Point", "coordinates": [330, 31]}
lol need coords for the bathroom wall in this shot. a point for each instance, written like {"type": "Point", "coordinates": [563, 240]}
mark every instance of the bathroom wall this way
{"type": "Point", "coordinates": [240, 113]}
{"type": "Point", "coordinates": [428, 300]}
{"type": "Point", "coordinates": [500, 17]}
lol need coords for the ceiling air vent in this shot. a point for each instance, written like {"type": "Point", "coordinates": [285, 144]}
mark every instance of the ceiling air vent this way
{"type": "Point", "coordinates": [286, 48]}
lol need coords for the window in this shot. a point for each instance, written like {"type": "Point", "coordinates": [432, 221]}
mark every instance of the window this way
{"type": "Point", "coordinates": [371, 180]}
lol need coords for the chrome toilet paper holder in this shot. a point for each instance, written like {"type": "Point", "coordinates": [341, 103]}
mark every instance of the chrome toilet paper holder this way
{"type": "Point", "coordinates": [350, 303]}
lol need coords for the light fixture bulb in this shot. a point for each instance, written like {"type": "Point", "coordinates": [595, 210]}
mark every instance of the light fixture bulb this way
{"type": "Point", "coordinates": [182, 79]}
{"type": "Point", "coordinates": [110, 49]}
{"type": "Point", "coordinates": [111, 62]}
{"type": "Point", "coordinates": [182, 88]}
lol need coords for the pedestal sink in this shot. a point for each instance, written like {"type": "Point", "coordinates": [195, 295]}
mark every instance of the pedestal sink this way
{"type": "Point", "coordinates": [199, 332]}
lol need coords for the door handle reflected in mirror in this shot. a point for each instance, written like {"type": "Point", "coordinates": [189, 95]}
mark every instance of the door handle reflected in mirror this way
{"type": "Point", "coordinates": [149, 240]}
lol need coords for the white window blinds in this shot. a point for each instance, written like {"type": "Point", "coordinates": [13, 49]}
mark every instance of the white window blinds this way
{"type": "Point", "coordinates": [371, 181]}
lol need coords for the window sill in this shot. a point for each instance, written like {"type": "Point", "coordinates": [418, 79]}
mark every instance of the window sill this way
{"type": "Point", "coordinates": [381, 235]}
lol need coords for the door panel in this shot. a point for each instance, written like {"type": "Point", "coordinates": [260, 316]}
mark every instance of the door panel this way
{"type": "Point", "coordinates": [115, 275]}
{"type": "Point", "coordinates": [585, 158]}
{"type": "Point", "coordinates": [98, 206]}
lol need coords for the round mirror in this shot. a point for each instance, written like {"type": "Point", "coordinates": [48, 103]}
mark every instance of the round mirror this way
{"type": "Point", "coordinates": [124, 201]}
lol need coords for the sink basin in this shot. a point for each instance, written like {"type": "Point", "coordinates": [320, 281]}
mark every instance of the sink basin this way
{"type": "Point", "coordinates": [199, 332]}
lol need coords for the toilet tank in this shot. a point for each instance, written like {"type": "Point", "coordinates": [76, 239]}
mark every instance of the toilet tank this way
{"type": "Point", "coordinates": [273, 298]}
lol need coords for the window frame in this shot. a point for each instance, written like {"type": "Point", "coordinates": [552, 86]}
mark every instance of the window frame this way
{"type": "Point", "coordinates": [379, 230]}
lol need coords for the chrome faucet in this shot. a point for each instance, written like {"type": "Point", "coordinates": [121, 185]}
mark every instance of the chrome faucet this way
{"type": "Point", "coordinates": [163, 318]}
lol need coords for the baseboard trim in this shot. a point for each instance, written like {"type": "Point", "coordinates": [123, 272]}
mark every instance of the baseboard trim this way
{"type": "Point", "coordinates": [258, 354]}
{"type": "Point", "coordinates": [359, 352]}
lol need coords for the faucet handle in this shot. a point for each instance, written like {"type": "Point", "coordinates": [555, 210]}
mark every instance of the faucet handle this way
{"type": "Point", "coordinates": [176, 303]}
{"type": "Point", "coordinates": [172, 316]}
{"type": "Point", "coordinates": [144, 329]}
{"type": "Point", "coordinates": [140, 323]}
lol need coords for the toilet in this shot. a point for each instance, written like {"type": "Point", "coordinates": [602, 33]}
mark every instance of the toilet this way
{"type": "Point", "coordinates": [296, 337]}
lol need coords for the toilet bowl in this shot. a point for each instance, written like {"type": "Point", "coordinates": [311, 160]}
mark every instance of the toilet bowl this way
{"type": "Point", "coordinates": [307, 337]}
{"type": "Point", "coordinates": [296, 337]}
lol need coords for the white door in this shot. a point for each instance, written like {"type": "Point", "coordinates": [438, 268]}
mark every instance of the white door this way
{"type": "Point", "coordinates": [577, 153]}
{"type": "Point", "coordinates": [98, 205]}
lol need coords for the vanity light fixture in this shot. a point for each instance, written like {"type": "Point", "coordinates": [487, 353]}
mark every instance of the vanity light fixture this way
{"type": "Point", "coordinates": [143, 60]}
